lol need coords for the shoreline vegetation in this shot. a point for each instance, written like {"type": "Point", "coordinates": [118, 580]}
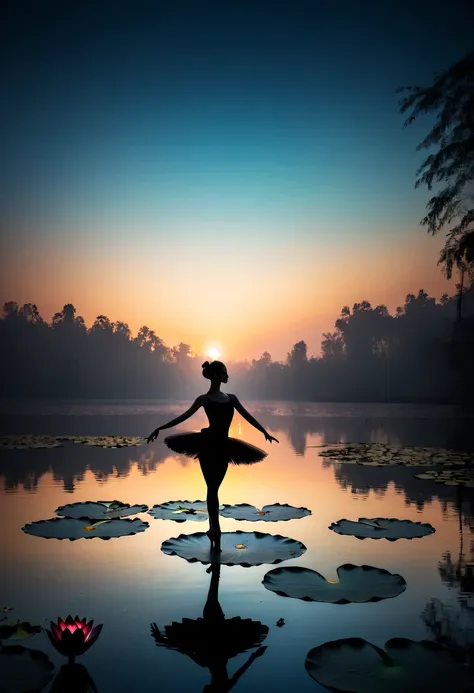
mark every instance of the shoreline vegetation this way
{"type": "Point", "coordinates": [421, 354]}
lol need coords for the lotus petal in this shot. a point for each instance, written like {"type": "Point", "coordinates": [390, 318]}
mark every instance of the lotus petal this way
{"type": "Point", "coordinates": [100, 510]}
{"type": "Point", "coordinates": [74, 636]}
{"type": "Point", "coordinates": [269, 513]}
{"type": "Point", "coordinates": [23, 670]}
{"type": "Point", "coordinates": [458, 477]}
{"type": "Point", "coordinates": [87, 628]}
{"type": "Point", "coordinates": [356, 583]}
{"type": "Point", "coordinates": [378, 455]}
{"type": "Point", "coordinates": [84, 528]}
{"type": "Point", "coordinates": [180, 511]}
{"type": "Point", "coordinates": [354, 665]}
{"type": "Point", "coordinates": [94, 634]}
{"type": "Point", "coordinates": [382, 528]}
{"type": "Point", "coordinates": [238, 548]}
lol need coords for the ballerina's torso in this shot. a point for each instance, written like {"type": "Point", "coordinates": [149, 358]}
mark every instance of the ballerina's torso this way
{"type": "Point", "coordinates": [219, 414]}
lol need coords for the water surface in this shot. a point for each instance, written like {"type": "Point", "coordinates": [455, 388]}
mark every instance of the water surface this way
{"type": "Point", "coordinates": [128, 583]}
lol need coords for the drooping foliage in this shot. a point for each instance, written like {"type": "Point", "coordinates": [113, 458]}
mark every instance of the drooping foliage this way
{"type": "Point", "coordinates": [450, 98]}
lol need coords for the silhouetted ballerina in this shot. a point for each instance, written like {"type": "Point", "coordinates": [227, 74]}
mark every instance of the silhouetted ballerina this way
{"type": "Point", "coordinates": [212, 640]}
{"type": "Point", "coordinates": [212, 446]}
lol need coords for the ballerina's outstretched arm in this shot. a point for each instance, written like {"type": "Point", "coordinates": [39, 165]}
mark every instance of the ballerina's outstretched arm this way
{"type": "Point", "coordinates": [248, 417]}
{"type": "Point", "coordinates": [179, 419]}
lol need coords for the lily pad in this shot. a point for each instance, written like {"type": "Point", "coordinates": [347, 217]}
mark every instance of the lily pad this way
{"type": "Point", "coordinates": [379, 455]}
{"type": "Point", "coordinates": [28, 442]}
{"type": "Point", "coordinates": [238, 548]}
{"type": "Point", "coordinates": [458, 477]}
{"type": "Point", "coordinates": [100, 510]}
{"type": "Point", "coordinates": [22, 630]}
{"type": "Point", "coordinates": [354, 665]}
{"type": "Point", "coordinates": [382, 528]}
{"type": "Point", "coordinates": [356, 583]}
{"type": "Point", "coordinates": [84, 528]}
{"type": "Point", "coordinates": [107, 441]}
{"type": "Point", "coordinates": [180, 511]}
{"type": "Point", "coordinates": [269, 513]}
{"type": "Point", "coordinates": [23, 670]}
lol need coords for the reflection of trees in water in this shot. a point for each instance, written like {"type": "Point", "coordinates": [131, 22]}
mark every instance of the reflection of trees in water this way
{"type": "Point", "coordinates": [361, 480]}
{"type": "Point", "coordinates": [410, 432]}
{"type": "Point", "coordinates": [452, 624]}
{"type": "Point", "coordinates": [459, 572]}
{"type": "Point", "coordinates": [69, 465]}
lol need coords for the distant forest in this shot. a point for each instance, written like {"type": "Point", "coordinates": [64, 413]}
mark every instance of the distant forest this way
{"type": "Point", "coordinates": [423, 353]}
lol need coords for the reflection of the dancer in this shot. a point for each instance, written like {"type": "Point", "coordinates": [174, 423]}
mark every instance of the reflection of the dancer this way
{"type": "Point", "coordinates": [212, 640]}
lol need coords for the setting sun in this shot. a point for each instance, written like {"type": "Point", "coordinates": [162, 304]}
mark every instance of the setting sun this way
{"type": "Point", "coordinates": [214, 353]}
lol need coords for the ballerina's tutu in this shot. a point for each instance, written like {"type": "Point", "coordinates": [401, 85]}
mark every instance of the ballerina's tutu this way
{"type": "Point", "coordinates": [219, 447]}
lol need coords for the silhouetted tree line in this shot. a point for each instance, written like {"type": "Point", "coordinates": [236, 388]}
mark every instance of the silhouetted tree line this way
{"type": "Point", "coordinates": [67, 359]}
{"type": "Point", "coordinates": [422, 353]}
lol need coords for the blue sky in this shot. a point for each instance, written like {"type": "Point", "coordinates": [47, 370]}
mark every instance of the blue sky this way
{"type": "Point", "coordinates": [161, 122]}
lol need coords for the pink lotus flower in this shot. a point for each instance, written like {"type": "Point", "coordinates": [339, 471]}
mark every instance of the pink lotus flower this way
{"type": "Point", "coordinates": [73, 636]}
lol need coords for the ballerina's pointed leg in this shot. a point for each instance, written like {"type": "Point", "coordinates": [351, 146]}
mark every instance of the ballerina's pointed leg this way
{"type": "Point", "coordinates": [215, 539]}
{"type": "Point", "coordinates": [214, 473]}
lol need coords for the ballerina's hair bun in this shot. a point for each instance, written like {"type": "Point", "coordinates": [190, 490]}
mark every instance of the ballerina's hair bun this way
{"type": "Point", "coordinates": [206, 364]}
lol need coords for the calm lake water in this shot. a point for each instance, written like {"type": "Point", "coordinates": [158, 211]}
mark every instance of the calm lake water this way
{"type": "Point", "coordinates": [128, 583]}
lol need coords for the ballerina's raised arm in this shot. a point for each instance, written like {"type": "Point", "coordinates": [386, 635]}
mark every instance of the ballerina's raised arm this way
{"type": "Point", "coordinates": [198, 402]}
{"type": "Point", "coordinates": [253, 422]}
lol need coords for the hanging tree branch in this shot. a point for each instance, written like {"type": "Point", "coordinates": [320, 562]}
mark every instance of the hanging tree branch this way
{"type": "Point", "coordinates": [451, 96]}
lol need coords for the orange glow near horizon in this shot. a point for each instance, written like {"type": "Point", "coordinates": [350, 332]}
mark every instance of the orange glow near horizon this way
{"type": "Point", "coordinates": [252, 304]}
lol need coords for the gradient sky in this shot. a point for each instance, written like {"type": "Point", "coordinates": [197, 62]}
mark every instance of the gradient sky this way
{"type": "Point", "coordinates": [227, 173]}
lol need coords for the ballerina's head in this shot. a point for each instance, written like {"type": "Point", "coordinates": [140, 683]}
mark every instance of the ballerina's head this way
{"type": "Point", "coordinates": [215, 371]}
